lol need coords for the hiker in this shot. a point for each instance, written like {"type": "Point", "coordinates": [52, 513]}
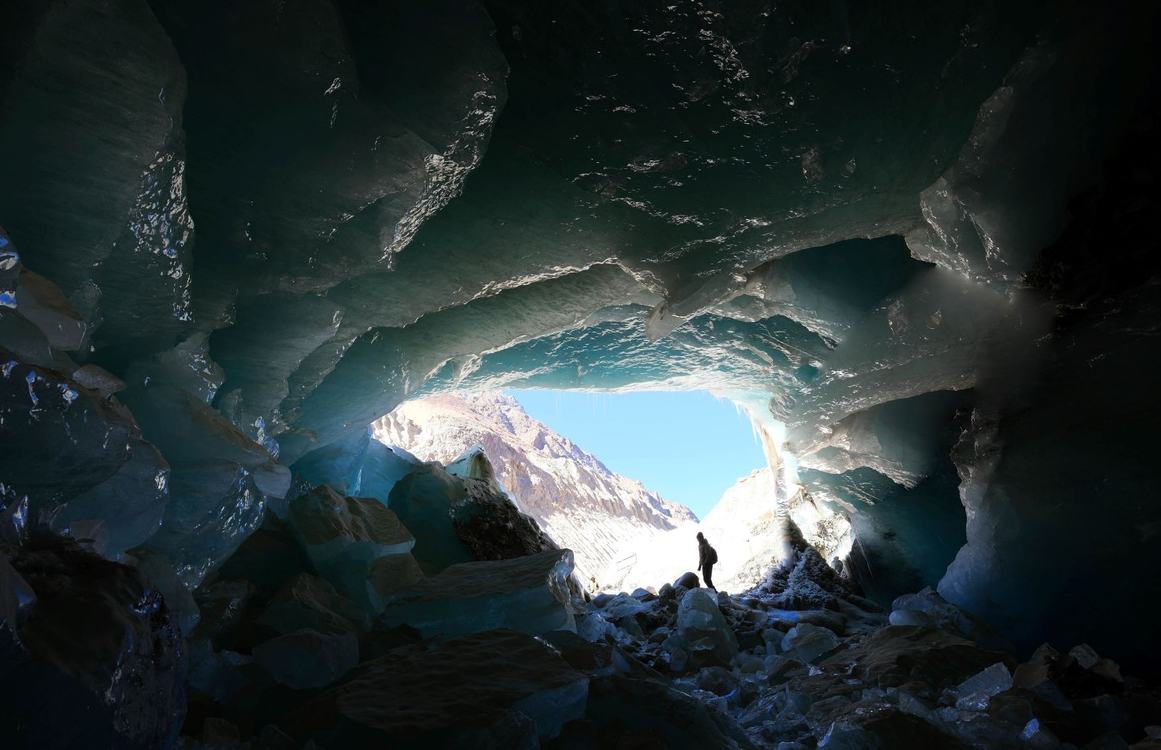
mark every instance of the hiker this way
{"type": "Point", "coordinates": [706, 557]}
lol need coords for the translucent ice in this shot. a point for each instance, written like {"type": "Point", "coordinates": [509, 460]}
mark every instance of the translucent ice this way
{"type": "Point", "coordinates": [345, 537]}
{"type": "Point", "coordinates": [529, 594]}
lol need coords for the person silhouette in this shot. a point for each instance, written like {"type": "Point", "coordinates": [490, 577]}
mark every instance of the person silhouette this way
{"type": "Point", "coordinates": [706, 557]}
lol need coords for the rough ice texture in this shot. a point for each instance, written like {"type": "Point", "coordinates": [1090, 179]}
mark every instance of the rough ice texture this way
{"type": "Point", "coordinates": [98, 643]}
{"type": "Point", "coordinates": [404, 697]}
{"type": "Point", "coordinates": [530, 594]}
{"type": "Point", "coordinates": [299, 215]}
{"type": "Point", "coordinates": [346, 537]}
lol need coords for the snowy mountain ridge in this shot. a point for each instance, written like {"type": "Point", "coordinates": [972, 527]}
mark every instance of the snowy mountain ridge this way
{"type": "Point", "coordinates": [575, 498]}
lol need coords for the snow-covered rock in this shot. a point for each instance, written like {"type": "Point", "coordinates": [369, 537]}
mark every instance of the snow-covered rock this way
{"type": "Point", "coordinates": [575, 498]}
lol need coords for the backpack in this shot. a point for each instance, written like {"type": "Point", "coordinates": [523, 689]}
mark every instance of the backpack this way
{"type": "Point", "coordinates": [712, 557]}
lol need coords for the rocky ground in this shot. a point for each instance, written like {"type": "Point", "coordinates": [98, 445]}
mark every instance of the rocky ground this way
{"type": "Point", "coordinates": [802, 661]}
{"type": "Point", "coordinates": [449, 619]}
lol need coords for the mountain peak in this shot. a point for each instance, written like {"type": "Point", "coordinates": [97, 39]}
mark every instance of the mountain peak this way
{"type": "Point", "coordinates": [572, 494]}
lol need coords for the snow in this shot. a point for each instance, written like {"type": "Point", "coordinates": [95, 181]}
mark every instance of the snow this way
{"type": "Point", "coordinates": [623, 535]}
{"type": "Point", "coordinates": [580, 503]}
{"type": "Point", "coordinates": [744, 528]}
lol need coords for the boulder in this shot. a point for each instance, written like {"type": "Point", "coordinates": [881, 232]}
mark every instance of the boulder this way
{"type": "Point", "coordinates": [975, 692]}
{"type": "Point", "coordinates": [457, 519]}
{"type": "Point", "coordinates": [809, 642]}
{"type": "Point", "coordinates": [344, 537]}
{"type": "Point", "coordinates": [80, 459]}
{"type": "Point", "coordinates": [702, 630]}
{"type": "Point", "coordinates": [624, 712]}
{"type": "Point", "coordinates": [492, 689]}
{"type": "Point", "coordinates": [929, 609]}
{"type": "Point", "coordinates": [884, 727]}
{"type": "Point", "coordinates": [308, 658]}
{"type": "Point", "coordinates": [528, 594]}
{"type": "Point", "coordinates": [94, 658]}
{"type": "Point", "coordinates": [622, 606]}
{"type": "Point", "coordinates": [687, 580]}
{"type": "Point", "coordinates": [931, 660]}
{"type": "Point", "coordinates": [309, 602]}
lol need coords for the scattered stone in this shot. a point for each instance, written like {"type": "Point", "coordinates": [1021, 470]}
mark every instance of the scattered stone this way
{"type": "Point", "coordinates": [809, 642]}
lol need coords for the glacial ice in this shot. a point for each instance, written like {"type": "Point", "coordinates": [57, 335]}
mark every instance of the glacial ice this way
{"type": "Point", "coordinates": [809, 642]}
{"type": "Point", "coordinates": [346, 537]}
{"type": "Point", "coordinates": [529, 594]}
{"type": "Point", "coordinates": [272, 226]}
{"type": "Point", "coordinates": [304, 659]}
{"type": "Point", "coordinates": [702, 631]}
{"type": "Point", "coordinates": [500, 675]}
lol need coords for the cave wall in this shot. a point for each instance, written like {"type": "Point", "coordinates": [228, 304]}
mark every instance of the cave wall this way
{"type": "Point", "coordinates": [235, 235]}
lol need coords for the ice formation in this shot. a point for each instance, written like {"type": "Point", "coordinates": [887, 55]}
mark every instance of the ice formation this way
{"type": "Point", "coordinates": [918, 236]}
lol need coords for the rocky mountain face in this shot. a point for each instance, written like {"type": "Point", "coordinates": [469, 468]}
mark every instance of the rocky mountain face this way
{"type": "Point", "coordinates": [576, 499]}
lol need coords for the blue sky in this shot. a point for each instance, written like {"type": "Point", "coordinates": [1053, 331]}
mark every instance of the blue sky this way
{"type": "Point", "coordinates": [688, 446]}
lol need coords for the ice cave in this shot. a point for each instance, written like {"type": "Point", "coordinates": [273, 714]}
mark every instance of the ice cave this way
{"type": "Point", "coordinates": [911, 240]}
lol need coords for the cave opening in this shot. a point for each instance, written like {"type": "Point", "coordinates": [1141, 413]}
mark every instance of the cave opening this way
{"type": "Point", "coordinates": [627, 479]}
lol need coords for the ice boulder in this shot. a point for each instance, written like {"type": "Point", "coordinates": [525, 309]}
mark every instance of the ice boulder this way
{"type": "Point", "coordinates": [306, 658]}
{"type": "Point", "coordinates": [457, 520]}
{"type": "Point", "coordinates": [623, 605]}
{"type": "Point", "coordinates": [96, 644]}
{"type": "Point", "coordinates": [220, 479]}
{"type": "Point", "coordinates": [309, 602]}
{"type": "Point", "coordinates": [930, 609]}
{"type": "Point", "coordinates": [71, 444]}
{"type": "Point", "coordinates": [345, 537]}
{"type": "Point", "coordinates": [358, 466]}
{"type": "Point", "coordinates": [975, 692]}
{"type": "Point", "coordinates": [808, 642]}
{"type": "Point", "coordinates": [268, 559]}
{"type": "Point", "coordinates": [511, 691]}
{"type": "Point", "coordinates": [702, 630]}
{"type": "Point", "coordinates": [528, 594]}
